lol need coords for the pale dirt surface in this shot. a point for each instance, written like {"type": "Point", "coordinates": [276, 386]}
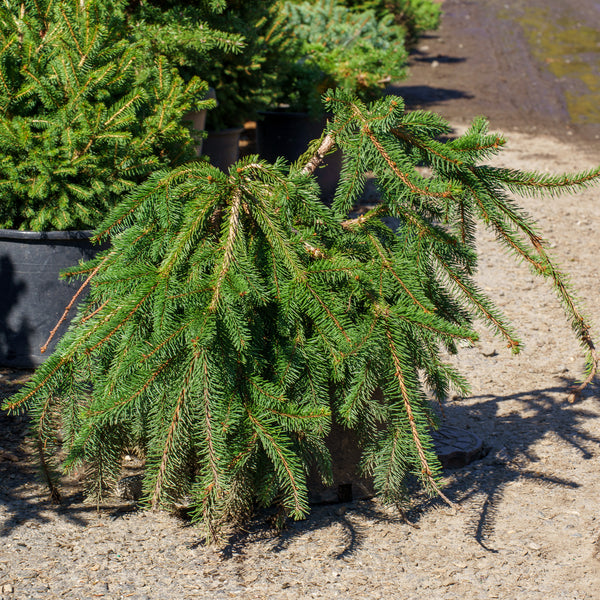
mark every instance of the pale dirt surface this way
{"type": "Point", "coordinates": [529, 523]}
{"type": "Point", "coordinates": [528, 527]}
{"type": "Point", "coordinates": [483, 61]}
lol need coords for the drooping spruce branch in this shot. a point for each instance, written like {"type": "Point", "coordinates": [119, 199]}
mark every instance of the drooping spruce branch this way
{"type": "Point", "coordinates": [483, 195]}
{"type": "Point", "coordinates": [236, 316]}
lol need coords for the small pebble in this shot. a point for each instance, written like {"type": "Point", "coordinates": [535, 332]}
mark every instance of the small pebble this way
{"type": "Point", "coordinates": [489, 351]}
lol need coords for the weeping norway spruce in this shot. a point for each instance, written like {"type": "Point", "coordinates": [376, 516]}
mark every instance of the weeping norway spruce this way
{"type": "Point", "coordinates": [235, 316]}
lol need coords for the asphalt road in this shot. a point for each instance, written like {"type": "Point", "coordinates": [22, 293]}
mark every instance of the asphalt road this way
{"type": "Point", "coordinates": [533, 65]}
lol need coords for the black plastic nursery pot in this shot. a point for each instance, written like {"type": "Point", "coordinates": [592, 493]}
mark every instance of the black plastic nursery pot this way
{"type": "Point", "coordinates": [287, 134]}
{"type": "Point", "coordinates": [33, 298]}
{"type": "Point", "coordinates": [197, 119]}
{"type": "Point", "coordinates": [222, 147]}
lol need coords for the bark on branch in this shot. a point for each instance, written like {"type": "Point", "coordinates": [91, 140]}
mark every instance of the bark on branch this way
{"type": "Point", "coordinates": [326, 145]}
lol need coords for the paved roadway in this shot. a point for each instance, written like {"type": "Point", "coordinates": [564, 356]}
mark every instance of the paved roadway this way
{"type": "Point", "coordinates": [527, 64]}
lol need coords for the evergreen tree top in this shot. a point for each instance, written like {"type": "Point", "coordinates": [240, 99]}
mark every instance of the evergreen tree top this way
{"type": "Point", "coordinates": [83, 117]}
{"type": "Point", "coordinates": [357, 51]}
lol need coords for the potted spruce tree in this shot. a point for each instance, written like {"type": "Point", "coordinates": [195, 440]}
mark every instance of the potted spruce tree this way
{"type": "Point", "coordinates": [244, 80]}
{"type": "Point", "coordinates": [240, 62]}
{"type": "Point", "coordinates": [236, 318]}
{"type": "Point", "coordinates": [84, 118]}
{"type": "Point", "coordinates": [182, 34]}
{"type": "Point", "coordinates": [330, 46]}
{"type": "Point", "coordinates": [415, 16]}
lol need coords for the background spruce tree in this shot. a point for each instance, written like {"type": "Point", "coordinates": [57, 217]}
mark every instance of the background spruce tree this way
{"type": "Point", "coordinates": [238, 47]}
{"type": "Point", "coordinates": [84, 115]}
{"type": "Point", "coordinates": [414, 16]}
{"type": "Point", "coordinates": [236, 316]}
{"type": "Point", "coordinates": [411, 17]}
{"type": "Point", "coordinates": [358, 50]}
{"type": "Point", "coordinates": [180, 31]}
{"type": "Point", "coordinates": [248, 81]}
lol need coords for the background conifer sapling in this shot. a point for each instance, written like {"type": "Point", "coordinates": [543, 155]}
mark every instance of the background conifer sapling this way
{"type": "Point", "coordinates": [85, 114]}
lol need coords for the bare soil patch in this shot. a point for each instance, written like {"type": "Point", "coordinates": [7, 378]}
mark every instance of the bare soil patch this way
{"type": "Point", "coordinates": [528, 65]}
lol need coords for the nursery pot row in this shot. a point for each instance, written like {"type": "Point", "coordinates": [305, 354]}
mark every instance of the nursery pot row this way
{"type": "Point", "coordinates": [222, 147]}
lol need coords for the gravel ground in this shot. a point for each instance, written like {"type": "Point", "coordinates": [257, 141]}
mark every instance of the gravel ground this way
{"type": "Point", "coordinates": [528, 527]}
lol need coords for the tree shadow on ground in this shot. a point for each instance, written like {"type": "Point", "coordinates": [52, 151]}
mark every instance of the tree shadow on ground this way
{"type": "Point", "coordinates": [422, 96]}
{"type": "Point", "coordinates": [511, 438]}
{"type": "Point", "coordinates": [261, 529]}
{"type": "Point", "coordinates": [511, 456]}
{"type": "Point", "coordinates": [23, 496]}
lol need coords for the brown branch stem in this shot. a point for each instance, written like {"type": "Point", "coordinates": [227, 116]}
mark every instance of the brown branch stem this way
{"type": "Point", "coordinates": [70, 306]}
{"type": "Point", "coordinates": [425, 469]}
{"type": "Point", "coordinates": [326, 146]}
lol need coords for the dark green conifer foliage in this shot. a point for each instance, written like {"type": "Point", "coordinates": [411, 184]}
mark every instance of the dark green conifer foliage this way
{"type": "Point", "coordinates": [236, 315]}
{"type": "Point", "coordinates": [248, 81]}
{"type": "Point", "coordinates": [179, 30]}
{"type": "Point", "coordinates": [240, 48]}
{"type": "Point", "coordinates": [358, 51]}
{"type": "Point", "coordinates": [415, 16]}
{"type": "Point", "coordinates": [83, 117]}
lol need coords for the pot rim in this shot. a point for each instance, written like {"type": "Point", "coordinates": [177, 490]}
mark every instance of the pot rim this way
{"type": "Point", "coordinates": [224, 132]}
{"type": "Point", "coordinates": [283, 111]}
{"type": "Point", "coordinates": [17, 234]}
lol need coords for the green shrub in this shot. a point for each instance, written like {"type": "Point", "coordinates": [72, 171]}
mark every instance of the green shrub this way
{"type": "Point", "coordinates": [247, 82]}
{"type": "Point", "coordinates": [415, 16]}
{"type": "Point", "coordinates": [236, 317]}
{"type": "Point", "coordinates": [357, 51]}
{"type": "Point", "coordinates": [84, 117]}
{"type": "Point", "coordinates": [180, 31]}
{"type": "Point", "coordinates": [234, 45]}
